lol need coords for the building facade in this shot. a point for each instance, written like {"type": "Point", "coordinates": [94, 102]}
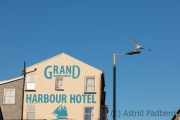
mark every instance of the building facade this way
{"type": "Point", "coordinates": [62, 87]}
{"type": "Point", "coordinates": [11, 98]}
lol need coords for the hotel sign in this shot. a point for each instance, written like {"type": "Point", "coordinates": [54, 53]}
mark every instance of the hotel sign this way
{"type": "Point", "coordinates": [62, 71]}
{"type": "Point", "coordinates": [60, 98]}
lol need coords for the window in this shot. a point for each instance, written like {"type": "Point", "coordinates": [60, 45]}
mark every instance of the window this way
{"type": "Point", "coordinates": [90, 84]}
{"type": "Point", "coordinates": [31, 111]}
{"type": "Point", "coordinates": [30, 82]}
{"type": "Point", "coordinates": [59, 83]}
{"type": "Point", "coordinates": [9, 96]}
{"type": "Point", "coordinates": [88, 113]}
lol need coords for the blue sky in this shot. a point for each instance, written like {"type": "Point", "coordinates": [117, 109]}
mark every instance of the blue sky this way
{"type": "Point", "coordinates": [92, 31]}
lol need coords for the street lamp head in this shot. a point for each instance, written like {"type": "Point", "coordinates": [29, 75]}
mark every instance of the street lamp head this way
{"type": "Point", "coordinates": [133, 52]}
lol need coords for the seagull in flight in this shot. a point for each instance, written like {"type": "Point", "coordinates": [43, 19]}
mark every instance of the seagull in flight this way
{"type": "Point", "coordinates": [139, 46]}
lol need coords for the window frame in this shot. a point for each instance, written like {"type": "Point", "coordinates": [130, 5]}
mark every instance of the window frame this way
{"type": "Point", "coordinates": [87, 113]}
{"type": "Point", "coordinates": [61, 78]}
{"type": "Point", "coordinates": [31, 82]}
{"type": "Point", "coordinates": [7, 96]}
{"type": "Point", "coordinates": [85, 85]}
{"type": "Point", "coordinates": [30, 111]}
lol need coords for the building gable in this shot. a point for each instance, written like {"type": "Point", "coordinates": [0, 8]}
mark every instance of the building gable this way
{"type": "Point", "coordinates": [63, 58]}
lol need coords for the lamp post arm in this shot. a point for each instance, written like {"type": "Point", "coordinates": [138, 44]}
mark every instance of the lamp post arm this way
{"type": "Point", "coordinates": [114, 57]}
{"type": "Point", "coordinates": [121, 54]}
{"type": "Point", "coordinates": [114, 78]}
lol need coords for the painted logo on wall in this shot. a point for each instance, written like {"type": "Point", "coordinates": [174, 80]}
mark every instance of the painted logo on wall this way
{"type": "Point", "coordinates": [62, 71]}
{"type": "Point", "coordinates": [60, 98]}
{"type": "Point", "coordinates": [60, 112]}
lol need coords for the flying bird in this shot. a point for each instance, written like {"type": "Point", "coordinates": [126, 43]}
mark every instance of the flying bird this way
{"type": "Point", "coordinates": [139, 46]}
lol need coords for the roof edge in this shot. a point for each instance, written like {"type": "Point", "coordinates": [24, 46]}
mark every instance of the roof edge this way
{"type": "Point", "coordinates": [85, 63]}
{"type": "Point", "coordinates": [63, 54]}
{"type": "Point", "coordinates": [46, 60]}
{"type": "Point", "coordinates": [10, 80]}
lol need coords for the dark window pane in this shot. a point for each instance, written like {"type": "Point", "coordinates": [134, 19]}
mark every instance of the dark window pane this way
{"type": "Point", "coordinates": [87, 110]}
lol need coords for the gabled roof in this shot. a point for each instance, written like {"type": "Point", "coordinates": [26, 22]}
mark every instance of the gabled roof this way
{"type": "Point", "coordinates": [20, 77]}
{"type": "Point", "coordinates": [60, 55]}
{"type": "Point", "coordinates": [11, 80]}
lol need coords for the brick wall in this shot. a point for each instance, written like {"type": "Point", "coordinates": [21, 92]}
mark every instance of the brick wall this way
{"type": "Point", "coordinates": [12, 111]}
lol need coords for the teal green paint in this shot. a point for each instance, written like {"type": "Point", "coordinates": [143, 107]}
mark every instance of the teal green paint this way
{"type": "Point", "coordinates": [72, 98]}
{"type": "Point", "coordinates": [93, 99]}
{"type": "Point", "coordinates": [45, 72]}
{"type": "Point", "coordinates": [55, 69]}
{"type": "Point", "coordinates": [78, 98]}
{"type": "Point", "coordinates": [60, 112]}
{"type": "Point", "coordinates": [78, 71]}
{"type": "Point", "coordinates": [52, 98]}
{"type": "Point", "coordinates": [84, 98]}
{"type": "Point", "coordinates": [89, 98]}
{"type": "Point", "coordinates": [28, 99]}
{"type": "Point", "coordinates": [62, 70]}
{"type": "Point", "coordinates": [68, 69]}
{"type": "Point", "coordinates": [34, 99]}
{"type": "Point", "coordinates": [40, 96]}
{"type": "Point", "coordinates": [63, 98]}
{"type": "Point", "coordinates": [46, 99]}
{"type": "Point", "coordinates": [58, 98]}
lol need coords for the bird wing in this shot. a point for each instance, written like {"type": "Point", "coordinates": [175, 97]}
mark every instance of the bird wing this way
{"type": "Point", "coordinates": [146, 49]}
{"type": "Point", "coordinates": [136, 44]}
{"type": "Point", "coordinates": [149, 49]}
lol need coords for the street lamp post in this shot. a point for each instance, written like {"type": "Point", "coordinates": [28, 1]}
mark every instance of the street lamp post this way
{"type": "Point", "coordinates": [114, 78]}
